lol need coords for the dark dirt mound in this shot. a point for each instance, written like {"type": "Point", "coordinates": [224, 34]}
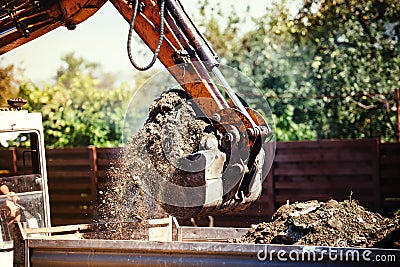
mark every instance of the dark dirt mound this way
{"type": "Point", "coordinates": [337, 224]}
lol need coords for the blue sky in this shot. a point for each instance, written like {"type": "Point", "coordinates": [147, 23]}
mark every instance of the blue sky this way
{"type": "Point", "coordinates": [101, 39]}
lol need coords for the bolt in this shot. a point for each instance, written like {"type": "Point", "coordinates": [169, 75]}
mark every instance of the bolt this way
{"type": "Point", "coordinates": [250, 132]}
{"type": "Point", "coordinates": [216, 117]}
{"type": "Point", "coordinates": [229, 137]}
{"type": "Point", "coordinates": [71, 26]}
{"type": "Point", "coordinates": [27, 34]}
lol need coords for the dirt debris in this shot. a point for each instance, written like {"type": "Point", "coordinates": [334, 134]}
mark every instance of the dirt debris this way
{"type": "Point", "coordinates": [331, 223]}
{"type": "Point", "coordinates": [118, 231]}
{"type": "Point", "coordinates": [171, 131]}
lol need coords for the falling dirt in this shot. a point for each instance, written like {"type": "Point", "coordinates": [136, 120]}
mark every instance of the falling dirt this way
{"type": "Point", "coordinates": [170, 132]}
{"type": "Point", "coordinates": [333, 223]}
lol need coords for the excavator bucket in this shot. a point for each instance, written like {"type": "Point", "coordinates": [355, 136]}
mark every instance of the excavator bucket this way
{"type": "Point", "coordinates": [213, 186]}
{"type": "Point", "coordinates": [193, 165]}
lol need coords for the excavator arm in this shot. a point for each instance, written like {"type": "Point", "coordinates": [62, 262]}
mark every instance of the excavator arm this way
{"type": "Point", "coordinates": [25, 20]}
{"type": "Point", "coordinates": [167, 30]}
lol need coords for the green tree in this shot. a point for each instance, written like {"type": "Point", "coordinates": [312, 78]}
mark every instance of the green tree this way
{"type": "Point", "coordinates": [77, 110]}
{"type": "Point", "coordinates": [266, 55]}
{"type": "Point", "coordinates": [355, 66]}
{"type": "Point", "coordinates": [330, 71]}
{"type": "Point", "coordinates": [8, 83]}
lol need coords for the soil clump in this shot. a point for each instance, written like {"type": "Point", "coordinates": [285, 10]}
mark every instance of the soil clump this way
{"type": "Point", "coordinates": [331, 223]}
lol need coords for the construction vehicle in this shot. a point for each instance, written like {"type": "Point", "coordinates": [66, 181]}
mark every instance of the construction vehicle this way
{"type": "Point", "coordinates": [232, 178]}
{"type": "Point", "coordinates": [167, 30]}
{"type": "Point", "coordinates": [24, 196]}
{"type": "Point", "coordinates": [31, 241]}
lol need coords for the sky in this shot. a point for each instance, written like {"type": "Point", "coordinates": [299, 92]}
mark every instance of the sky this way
{"type": "Point", "coordinates": [100, 39]}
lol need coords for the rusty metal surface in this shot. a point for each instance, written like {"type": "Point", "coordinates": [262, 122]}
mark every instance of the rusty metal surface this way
{"type": "Point", "coordinates": [208, 234]}
{"type": "Point", "coordinates": [47, 252]}
{"type": "Point", "coordinates": [22, 21]}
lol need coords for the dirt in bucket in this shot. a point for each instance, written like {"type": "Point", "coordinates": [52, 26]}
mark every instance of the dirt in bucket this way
{"type": "Point", "coordinates": [171, 131]}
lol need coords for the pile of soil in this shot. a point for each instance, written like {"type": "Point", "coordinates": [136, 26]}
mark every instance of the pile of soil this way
{"type": "Point", "coordinates": [331, 223]}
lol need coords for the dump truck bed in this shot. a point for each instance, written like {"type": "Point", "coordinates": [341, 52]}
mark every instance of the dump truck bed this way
{"type": "Point", "coordinates": [48, 252]}
{"type": "Point", "coordinates": [169, 244]}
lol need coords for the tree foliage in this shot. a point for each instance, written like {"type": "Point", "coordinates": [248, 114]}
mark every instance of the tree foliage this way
{"type": "Point", "coordinates": [8, 83]}
{"type": "Point", "coordinates": [330, 71]}
{"type": "Point", "coordinates": [80, 108]}
{"type": "Point", "coordinates": [355, 64]}
{"type": "Point", "coordinates": [278, 67]}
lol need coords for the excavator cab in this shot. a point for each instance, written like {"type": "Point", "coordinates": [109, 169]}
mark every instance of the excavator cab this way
{"type": "Point", "coordinates": [23, 178]}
